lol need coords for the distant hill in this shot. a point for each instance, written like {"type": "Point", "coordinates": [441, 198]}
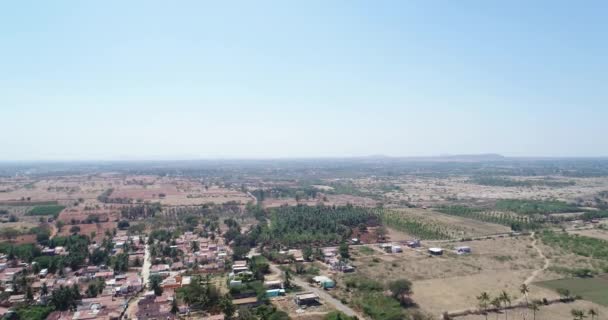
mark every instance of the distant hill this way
{"type": "Point", "coordinates": [474, 157]}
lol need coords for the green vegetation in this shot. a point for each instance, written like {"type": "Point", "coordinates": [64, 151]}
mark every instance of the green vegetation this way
{"type": "Point", "coordinates": [506, 182]}
{"type": "Point", "coordinates": [51, 210]}
{"type": "Point", "coordinates": [380, 307]}
{"type": "Point", "coordinates": [296, 226]}
{"type": "Point", "coordinates": [279, 192]}
{"type": "Point", "coordinates": [592, 289]}
{"type": "Point", "coordinates": [366, 250]}
{"type": "Point", "coordinates": [65, 298]}
{"type": "Point", "coordinates": [369, 296]}
{"type": "Point", "coordinates": [529, 207]}
{"type": "Point", "coordinates": [34, 312]}
{"type": "Point", "coordinates": [580, 245]}
{"type": "Point", "coordinates": [591, 215]}
{"type": "Point", "coordinates": [414, 226]}
{"type": "Point", "coordinates": [337, 315]}
{"type": "Point", "coordinates": [516, 222]}
{"type": "Point", "coordinates": [105, 196]}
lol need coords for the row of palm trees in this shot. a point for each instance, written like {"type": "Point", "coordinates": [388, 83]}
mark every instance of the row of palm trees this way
{"type": "Point", "coordinates": [579, 314]}
{"type": "Point", "coordinates": [485, 300]}
{"type": "Point", "coordinates": [503, 300]}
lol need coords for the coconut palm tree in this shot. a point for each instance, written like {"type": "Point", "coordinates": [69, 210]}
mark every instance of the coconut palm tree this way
{"type": "Point", "coordinates": [506, 299]}
{"type": "Point", "coordinates": [578, 314]}
{"type": "Point", "coordinates": [497, 303]}
{"type": "Point", "coordinates": [524, 289]}
{"type": "Point", "coordinates": [593, 313]}
{"type": "Point", "coordinates": [484, 299]}
{"type": "Point", "coordinates": [534, 307]}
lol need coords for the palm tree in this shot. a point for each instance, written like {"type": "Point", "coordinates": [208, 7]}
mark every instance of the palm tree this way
{"type": "Point", "coordinates": [483, 299]}
{"type": "Point", "coordinates": [593, 313]}
{"type": "Point", "coordinates": [506, 299]}
{"type": "Point", "coordinates": [578, 314]}
{"type": "Point", "coordinates": [497, 303]}
{"type": "Point", "coordinates": [524, 289]}
{"type": "Point", "coordinates": [534, 307]}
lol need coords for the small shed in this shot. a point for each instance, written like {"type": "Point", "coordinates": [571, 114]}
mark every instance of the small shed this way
{"type": "Point", "coordinates": [396, 249]}
{"type": "Point", "coordinates": [436, 251]}
{"type": "Point", "coordinates": [306, 298]}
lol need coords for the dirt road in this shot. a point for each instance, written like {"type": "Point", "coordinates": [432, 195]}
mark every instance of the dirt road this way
{"type": "Point", "coordinates": [546, 261]}
{"type": "Point", "coordinates": [321, 293]}
{"type": "Point", "coordinates": [145, 276]}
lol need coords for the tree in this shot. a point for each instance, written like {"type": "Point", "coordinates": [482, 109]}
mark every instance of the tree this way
{"type": "Point", "coordinates": [497, 303]}
{"type": "Point", "coordinates": [44, 290]}
{"type": "Point", "coordinates": [401, 289]}
{"type": "Point", "coordinates": [155, 281]}
{"type": "Point", "coordinates": [484, 299]}
{"type": "Point", "coordinates": [337, 315]}
{"type": "Point", "coordinates": [535, 306]}
{"type": "Point", "coordinates": [123, 224]}
{"type": "Point", "coordinates": [524, 289]}
{"type": "Point", "coordinates": [287, 279]}
{"type": "Point", "coordinates": [344, 254]}
{"type": "Point", "coordinates": [362, 228]}
{"type": "Point", "coordinates": [245, 314]}
{"type": "Point", "coordinates": [278, 315]}
{"type": "Point", "coordinates": [174, 306]}
{"type": "Point", "coordinates": [506, 299]}
{"type": "Point", "coordinates": [563, 293]}
{"type": "Point", "coordinates": [29, 295]}
{"type": "Point", "coordinates": [74, 229]}
{"type": "Point", "coordinates": [59, 224]}
{"type": "Point", "coordinates": [307, 253]}
{"type": "Point", "coordinates": [194, 245]}
{"type": "Point", "coordinates": [578, 314]}
{"type": "Point", "coordinates": [227, 307]}
{"type": "Point", "coordinates": [593, 313]}
{"type": "Point", "coordinates": [381, 232]}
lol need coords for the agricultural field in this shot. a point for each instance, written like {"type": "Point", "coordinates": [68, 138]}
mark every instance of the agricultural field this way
{"type": "Point", "coordinates": [177, 194]}
{"type": "Point", "coordinates": [429, 224]}
{"type": "Point", "coordinates": [328, 200]}
{"type": "Point", "coordinates": [64, 189]}
{"type": "Point", "coordinates": [591, 289]}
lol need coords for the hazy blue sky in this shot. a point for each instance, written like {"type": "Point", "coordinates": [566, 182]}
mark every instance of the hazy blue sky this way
{"type": "Point", "coordinates": [190, 79]}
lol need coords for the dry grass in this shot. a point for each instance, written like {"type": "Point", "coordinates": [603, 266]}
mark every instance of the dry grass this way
{"type": "Point", "coordinates": [558, 311]}
{"type": "Point", "coordinates": [452, 282]}
{"type": "Point", "coordinates": [593, 233]}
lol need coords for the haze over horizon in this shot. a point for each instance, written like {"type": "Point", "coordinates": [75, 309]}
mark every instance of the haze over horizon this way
{"type": "Point", "coordinates": [191, 80]}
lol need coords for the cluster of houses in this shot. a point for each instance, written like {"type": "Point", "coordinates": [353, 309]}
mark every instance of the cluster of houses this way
{"type": "Point", "coordinates": [109, 303]}
{"type": "Point", "coordinates": [209, 257]}
{"type": "Point", "coordinates": [200, 255]}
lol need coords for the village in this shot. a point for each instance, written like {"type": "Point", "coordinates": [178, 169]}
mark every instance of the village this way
{"type": "Point", "coordinates": [111, 246]}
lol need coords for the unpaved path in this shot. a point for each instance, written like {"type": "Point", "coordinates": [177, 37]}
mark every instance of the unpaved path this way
{"type": "Point", "coordinates": [530, 279]}
{"type": "Point", "coordinates": [145, 276]}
